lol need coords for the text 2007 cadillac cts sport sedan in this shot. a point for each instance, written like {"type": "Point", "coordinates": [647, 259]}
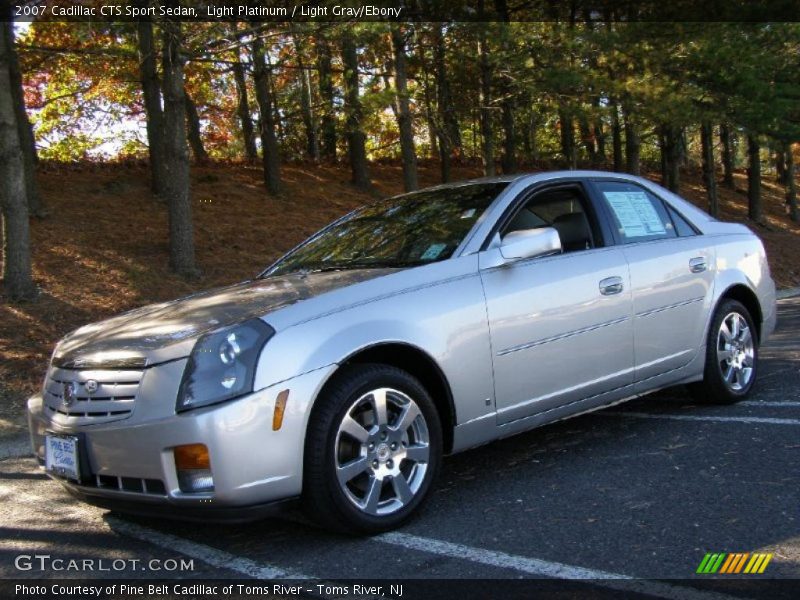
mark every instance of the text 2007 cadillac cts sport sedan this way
{"type": "Point", "coordinates": [420, 325]}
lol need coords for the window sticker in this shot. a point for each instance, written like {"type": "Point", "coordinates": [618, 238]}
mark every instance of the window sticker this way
{"type": "Point", "coordinates": [468, 214]}
{"type": "Point", "coordinates": [433, 251]}
{"type": "Point", "coordinates": [635, 213]}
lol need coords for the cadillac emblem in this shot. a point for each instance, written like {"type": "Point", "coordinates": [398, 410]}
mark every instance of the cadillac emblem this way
{"type": "Point", "coordinates": [91, 386]}
{"type": "Point", "coordinates": [69, 393]}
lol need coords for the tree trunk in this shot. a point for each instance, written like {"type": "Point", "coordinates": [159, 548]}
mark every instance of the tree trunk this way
{"type": "Point", "coordinates": [600, 136]}
{"type": "Point", "coordinates": [13, 201]}
{"type": "Point", "coordinates": [430, 119]}
{"type": "Point", "coordinates": [707, 144]}
{"type": "Point", "coordinates": [507, 104]}
{"type": "Point", "coordinates": [791, 185]}
{"type": "Point", "coordinates": [780, 164]}
{"type": "Point", "coordinates": [632, 144]}
{"type": "Point", "coordinates": [509, 160]}
{"type": "Point", "coordinates": [26, 137]}
{"type": "Point", "coordinates": [243, 112]}
{"type": "Point", "coordinates": [404, 120]}
{"type": "Point", "coordinates": [671, 157]}
{"type": "Point", "coordinates": [195, 135]}
{"type": "Point", "coordinates": [270, 152]}
{"type": "Point", "coordinates": [176, 152]}
{"type": "Point", "coordinates": [587, 137]}
{"type": "Point", "coordinates": [326, 91]}
{"type": "Point", "coordinates": [449, 132]}
{"type": "Point", "coordinates": [312, 143]}
{"type": "Point", "coordinates": [726, 138]}
{"type": "Point", "coordinates": [280, 130]}
{"type": "Point", "coordinates": [151, 91]}
{"type": "Point", "coordinates": [754, 210]}
{"type": "Point", "coordinates": [568, 150]}
{"type": "Point", "coordinates": [616, 137]}
{"type": "Point", "coordinates": [356, 139]}
{"type": "Point", "coordinates": [485, 100]}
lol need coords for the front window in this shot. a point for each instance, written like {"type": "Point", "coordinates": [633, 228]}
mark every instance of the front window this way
{"type": "Point", "coordinates": [405, 231]}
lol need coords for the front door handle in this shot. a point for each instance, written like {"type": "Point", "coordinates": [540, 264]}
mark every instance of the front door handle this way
{"type": "Point", "coordinates": [610, 286]}
{"type": "Point", "coordinates": [697, 264]}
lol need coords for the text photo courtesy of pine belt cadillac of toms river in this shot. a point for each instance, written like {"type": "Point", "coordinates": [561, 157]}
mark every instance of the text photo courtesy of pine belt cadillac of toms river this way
{"type": "Point", "coordinates": [415, 327]}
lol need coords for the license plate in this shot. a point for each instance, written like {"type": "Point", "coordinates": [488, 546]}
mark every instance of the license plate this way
{"type": "Point", "coordinates": [61, 456]}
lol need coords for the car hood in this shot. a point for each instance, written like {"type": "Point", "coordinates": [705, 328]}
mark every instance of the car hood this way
{"type": "Point", "coordinates": [168, 330]}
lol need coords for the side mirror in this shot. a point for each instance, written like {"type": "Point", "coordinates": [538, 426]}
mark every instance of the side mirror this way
{"type": "Point", "coordinates": [528, 243]}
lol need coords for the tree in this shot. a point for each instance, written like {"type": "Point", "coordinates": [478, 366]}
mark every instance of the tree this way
{"type": "Point", "coordinates": [754, 208]}
{"type": "Point", "coordinates": [449, 133]}
{"type": "Point", "coordinates": [243, 113]}
{"type": "Point", "coordinates": [151, 91]}
{"type": "Point", "coordinates": [195, 134]}
{"type": "Point", "coordinates": [13, 200]}
{"type": "Point", "coordinates": [243, 102]}
{"type": "Point", "coordinates": [485, 101]}
{"type": "Point", "coordinates": [707, 148]}
{"type": "Point", "coordinates": [726, 139]}
{"type": "Point", "coordinates": [270, 151]}
{"type": "Point", "coordinates": [404, 120]}
{"type": "Point", "coordinates": [327, 93]}
{"type": "Point", "coordinates": [176, 152]}
{"type": "Point", "coordinates": [26, 138]}
{"type": "Point", "coordinates": [356, 138]}
{"type": "Point", "coordinates": [568, 150]}
{"type": "Point", "coordinates": [670, 157]}
{"type": "Point", "coordinates": [309, 124]}
{"type": "Point", "coordinates": [791, 185]}
{"type": "Point", "coordinates": [632, 144]}
{"type": "Point", "coordinates": [616, 137]}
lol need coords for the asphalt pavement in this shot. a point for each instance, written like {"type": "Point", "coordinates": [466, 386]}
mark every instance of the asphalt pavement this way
{"type": "Point", "coordinates": [641, 490]}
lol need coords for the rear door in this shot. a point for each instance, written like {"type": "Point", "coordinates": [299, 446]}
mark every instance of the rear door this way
{"type": "Point", "coordinates": [671, 270]}
{"type": "Point", "coordinates": [560, 325]}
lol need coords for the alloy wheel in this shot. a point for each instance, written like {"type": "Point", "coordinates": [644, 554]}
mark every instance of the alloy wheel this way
{"type": "Point", "coordinates": [735, 351]}
{"type": "Point", "coordinates": [382, 451]}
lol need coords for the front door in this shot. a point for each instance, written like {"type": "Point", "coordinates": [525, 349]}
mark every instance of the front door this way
{"type": "Point", "coordinates": [560, 325]}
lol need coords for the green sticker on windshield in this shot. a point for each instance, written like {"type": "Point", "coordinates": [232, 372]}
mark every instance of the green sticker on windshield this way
{"type": "Point", "coordinates": [433, 251]}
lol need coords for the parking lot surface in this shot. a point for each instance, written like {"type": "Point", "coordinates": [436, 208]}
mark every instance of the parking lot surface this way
{"type": "Point", "coordinates": [640, 490]}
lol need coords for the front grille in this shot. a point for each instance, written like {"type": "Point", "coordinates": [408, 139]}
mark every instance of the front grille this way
{"type": "Point", "coordinates": [110, 395]}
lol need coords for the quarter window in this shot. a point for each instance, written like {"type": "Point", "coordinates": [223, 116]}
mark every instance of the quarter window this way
{"type": "Point", "coordinates": [682, 226]}
{"type": "Point", "coordinates": [638, 215]}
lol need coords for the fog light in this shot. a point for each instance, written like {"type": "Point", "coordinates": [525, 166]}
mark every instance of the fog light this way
{"type": "Point", "coordinates": [194, 468]}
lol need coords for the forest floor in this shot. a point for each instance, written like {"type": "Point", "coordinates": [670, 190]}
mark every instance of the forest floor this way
{"type": "Point", "coordinates": [102, 247]}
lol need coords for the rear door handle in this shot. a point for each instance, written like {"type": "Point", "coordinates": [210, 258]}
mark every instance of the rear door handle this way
{"type": "Point", "coordinates": [610, 286]}
{"type": "Point", "coordinates": [697, 264]}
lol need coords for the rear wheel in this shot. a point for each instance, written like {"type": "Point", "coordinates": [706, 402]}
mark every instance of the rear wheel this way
{"type": "Point", "coordinates": [731, 356]}
{"type": "Point", "coordinates": [373, 449]}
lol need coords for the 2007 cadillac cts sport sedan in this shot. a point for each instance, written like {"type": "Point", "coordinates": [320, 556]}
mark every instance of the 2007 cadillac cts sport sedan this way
{"type": "Point", "coordinates": [420, 325]}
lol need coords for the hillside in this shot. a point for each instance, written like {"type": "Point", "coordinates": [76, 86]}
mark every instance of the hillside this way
{"type": "Point", "coordinates": [103, 247]}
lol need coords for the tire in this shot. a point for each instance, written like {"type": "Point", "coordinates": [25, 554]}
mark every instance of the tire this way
{"type": "Point", "coordinates": [368, 470]}
{"type": "Point", "coordinates": [731, 356]}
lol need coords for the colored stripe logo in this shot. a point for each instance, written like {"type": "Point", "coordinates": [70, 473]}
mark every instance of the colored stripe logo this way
{"type": "Point", "coordinates": [732, 563]}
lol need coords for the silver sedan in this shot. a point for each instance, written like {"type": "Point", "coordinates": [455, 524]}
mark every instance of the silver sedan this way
{"type": "Point", "coordinates": [418, 326]}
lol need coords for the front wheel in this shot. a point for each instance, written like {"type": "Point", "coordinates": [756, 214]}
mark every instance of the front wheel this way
{"type": "Point", "coordinates": [373, 449]}
{"type": "Point", "coordinates": [731, 356]}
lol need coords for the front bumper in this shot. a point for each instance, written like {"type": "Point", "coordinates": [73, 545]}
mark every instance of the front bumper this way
{"type": "Point", "coordinates": [131, 465]}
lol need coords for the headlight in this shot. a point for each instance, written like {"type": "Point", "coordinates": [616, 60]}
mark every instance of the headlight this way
{"type": "Point", "coordinates": [222, 365]}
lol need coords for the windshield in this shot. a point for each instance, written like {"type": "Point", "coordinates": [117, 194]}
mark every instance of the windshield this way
{"type": "Point", "coordinates": [405, 231]}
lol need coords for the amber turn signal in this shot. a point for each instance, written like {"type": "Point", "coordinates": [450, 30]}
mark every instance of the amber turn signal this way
{"type": "Point", "coordinates": [280, 407]}
{"type": "Point", "coordinates": [192, 456]}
